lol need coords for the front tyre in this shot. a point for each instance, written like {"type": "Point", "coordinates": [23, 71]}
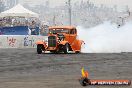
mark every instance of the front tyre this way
{"type": "Point", "coordinates": [39, 49]}
{"type": "Point", "coordinates": [66, 48]}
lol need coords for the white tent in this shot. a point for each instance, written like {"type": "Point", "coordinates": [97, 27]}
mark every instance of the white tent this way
{"type": "Point", "coordinates": [18, 11]}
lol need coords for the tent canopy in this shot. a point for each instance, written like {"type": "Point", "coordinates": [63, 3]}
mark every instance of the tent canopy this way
{"type": "Point", "coordinates": [19, 11]}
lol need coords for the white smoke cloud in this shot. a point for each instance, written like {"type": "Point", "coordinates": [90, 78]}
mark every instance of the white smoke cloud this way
{"type": "Point", "coordinates": [106, 38]}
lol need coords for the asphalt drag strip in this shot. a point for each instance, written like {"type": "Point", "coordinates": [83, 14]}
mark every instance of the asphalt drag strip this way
{"type": "Point", "coordinates": [24, 68]}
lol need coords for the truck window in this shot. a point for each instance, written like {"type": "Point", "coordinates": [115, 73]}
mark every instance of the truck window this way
{"type": "Point", "coordinates": [72, 31]}
{"type": "Point", "coordinates": [75, 31]}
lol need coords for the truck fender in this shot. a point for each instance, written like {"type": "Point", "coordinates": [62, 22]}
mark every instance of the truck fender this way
{"type": "Point", "coordinates": [76, 46]}
{"type": "Point", "coordinates": [41, 43]}
{"type": "Point", "coordinates": [80, 42]}
{"type": "Point", "coordinates": [63, 42]}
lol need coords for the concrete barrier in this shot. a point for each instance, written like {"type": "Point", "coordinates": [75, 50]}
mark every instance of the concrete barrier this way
{"type": "Point", "coordinates": [20, 41]}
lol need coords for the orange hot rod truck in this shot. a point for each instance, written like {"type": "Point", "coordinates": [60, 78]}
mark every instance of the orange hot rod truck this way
{"type": "Point", "coordinates": [60, 39]}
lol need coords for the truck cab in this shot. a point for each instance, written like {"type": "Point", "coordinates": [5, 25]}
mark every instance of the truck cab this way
{"type": "Point", "coordinates": [60, 39]}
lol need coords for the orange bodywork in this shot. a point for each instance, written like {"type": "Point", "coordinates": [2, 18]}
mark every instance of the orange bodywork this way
{"type": "Point", "coordinates": [62, 27]}
{"type": "Point", "coordinates": [40, 42]}
{"type": "Point", "coordinates": [70, 38]}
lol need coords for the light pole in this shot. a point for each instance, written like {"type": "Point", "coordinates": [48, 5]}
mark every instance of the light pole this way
{"type": "Point", "coordinates": [54, 19]}
{"type": "Point", "coordinates": [69, 11]}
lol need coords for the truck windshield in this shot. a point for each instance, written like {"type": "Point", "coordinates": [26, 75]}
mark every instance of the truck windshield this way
{"type": "Point", "coordinates": [59, 31]}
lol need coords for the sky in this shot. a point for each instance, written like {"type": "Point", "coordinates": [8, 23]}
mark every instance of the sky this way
{"type": "Point", "coordinates": [107, 2]}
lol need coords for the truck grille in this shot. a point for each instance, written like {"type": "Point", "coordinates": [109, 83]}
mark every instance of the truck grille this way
{"type": "Point", "coordinates": [51, 41]}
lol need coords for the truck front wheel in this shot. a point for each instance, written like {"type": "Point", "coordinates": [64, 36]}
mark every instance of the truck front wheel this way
{"type": "Point", "coordinates": [39, 49]}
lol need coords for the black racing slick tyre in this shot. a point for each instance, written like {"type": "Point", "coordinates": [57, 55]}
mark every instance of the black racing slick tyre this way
{"type": "Point", "coordinates": [66, 48]}
{"type": "Point", "coordinates": [39, 49]}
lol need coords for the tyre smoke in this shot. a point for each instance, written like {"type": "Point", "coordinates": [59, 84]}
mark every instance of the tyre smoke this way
{"type": "Point", "coordinates": [106, 38]}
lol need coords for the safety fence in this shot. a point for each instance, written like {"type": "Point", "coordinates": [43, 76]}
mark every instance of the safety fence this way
{"type": "Point", "coordinates": [20, 41]}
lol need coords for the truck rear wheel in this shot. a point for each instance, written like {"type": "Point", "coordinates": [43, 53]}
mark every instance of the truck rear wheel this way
{"type": "Point", "coordinates": [66, 48]}
{"type": "Point", "coordinates": [39, 49]}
